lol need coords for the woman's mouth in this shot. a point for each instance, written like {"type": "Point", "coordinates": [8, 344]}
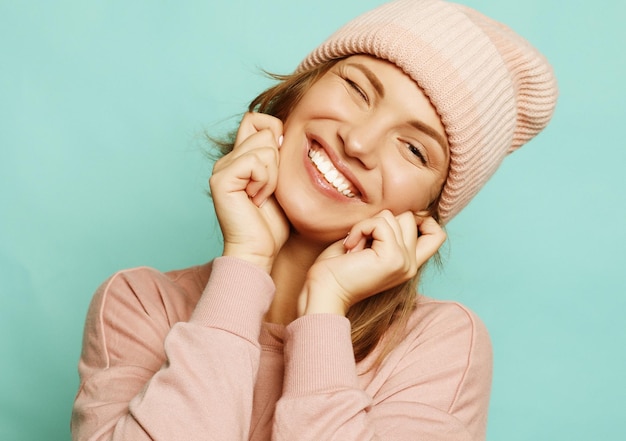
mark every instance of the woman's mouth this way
{"type": "Point", "coordinates": [333, 176]}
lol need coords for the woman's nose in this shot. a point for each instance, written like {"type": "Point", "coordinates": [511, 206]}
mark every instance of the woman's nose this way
{"type": "Point", "coordinates": [361, 141]}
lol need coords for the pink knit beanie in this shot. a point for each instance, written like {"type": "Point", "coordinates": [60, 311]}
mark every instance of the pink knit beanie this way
{"type": "Point", "coordinates": [491, 88]}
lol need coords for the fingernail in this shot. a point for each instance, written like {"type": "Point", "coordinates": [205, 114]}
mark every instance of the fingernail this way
{"type": "Point", "coordinates": [346, 238]}
{"type": "Point", "coordinates": [280, 140]}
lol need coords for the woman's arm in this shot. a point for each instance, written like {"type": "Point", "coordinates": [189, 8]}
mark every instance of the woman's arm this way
{"type": "Point", "coordinates": [197, 384]}
{"type": "Point", "coordinates": [438, 366]}
{"type": "Point", "coordinates": [434, 386]}
{"type": "Point", "coordinates": [200, 382]}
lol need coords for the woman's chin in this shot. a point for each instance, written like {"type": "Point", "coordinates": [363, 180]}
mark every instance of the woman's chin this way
{"type": "Point", "coordinates": [317, 238]}
{"type": "Point", "coordinates": [312, 218]}
{"type": "Point", "coordinates": [316, 230]}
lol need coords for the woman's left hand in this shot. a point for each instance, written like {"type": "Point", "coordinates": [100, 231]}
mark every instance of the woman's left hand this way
{"type": "Point", "coordinates": [379, 253]}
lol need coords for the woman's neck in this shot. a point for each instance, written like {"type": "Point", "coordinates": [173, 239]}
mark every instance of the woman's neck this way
{"type": "Point", "coordinates": [289, 273]}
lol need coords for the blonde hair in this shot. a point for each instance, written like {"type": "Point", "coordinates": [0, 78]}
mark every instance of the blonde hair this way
{"type": "Point", "coordinates": [385, 314]}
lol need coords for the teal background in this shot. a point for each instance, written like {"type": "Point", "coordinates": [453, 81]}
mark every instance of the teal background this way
{"type": "Point", "coordinates": [103, 105]}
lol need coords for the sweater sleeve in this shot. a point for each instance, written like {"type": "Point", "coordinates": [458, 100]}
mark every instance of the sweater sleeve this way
{"type": "Point", "coordinates": [144, 378]}
{"type": "Point", "coordinates": [433, 387]}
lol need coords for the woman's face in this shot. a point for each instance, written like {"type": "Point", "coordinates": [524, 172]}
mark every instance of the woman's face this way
{"type": "Point", "coordinates": [362, 139]}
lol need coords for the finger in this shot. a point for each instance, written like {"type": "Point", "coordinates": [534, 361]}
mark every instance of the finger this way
{"type": "Point", "coordinates": [261, 139]}
{"type": "Point", "coordinates": [354, 245]}
{"type": "Point", "coordinates": [432, 236]}
{"type": "Point", "coordinates": [408, 228]}
{"type": "Point", "coordinates": [375, 229]}
{"type": "Point", "coordinates": [253, 122]}
{"type": "Point", "coordinates": [383, 219]}
{"type": "Point", "coordinates": [257, 182]}
{"type": "Point", "coordinates": [257, 142]}
{"type": "Point", "coordinates": [388, 216]}
{"type": "Point", "coordinates": [264, 175]}
{"type": "Point", "coordinates": [255, 172]}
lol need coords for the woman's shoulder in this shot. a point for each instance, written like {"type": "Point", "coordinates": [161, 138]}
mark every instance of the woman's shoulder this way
{"type": "Point", "coordinates": [148, 287]}
{"type": "Point", "coordinates": [139, 303]}
{"type": "Point", "coordinates": [449, 323]}
{"type": "Point", "coordinates": [450, 336]}
{"type": "Point", "coordinates": [438, 313]}
{"type": "Point", "coordinates": [186, 278]}
{"type": "Point", "coordinates": [444, 361]}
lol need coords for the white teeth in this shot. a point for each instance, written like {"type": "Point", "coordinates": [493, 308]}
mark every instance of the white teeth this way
{"type": "Point", "coordinates": [331, 174]}
{"type": "Point", "coordinates": [324, 167]}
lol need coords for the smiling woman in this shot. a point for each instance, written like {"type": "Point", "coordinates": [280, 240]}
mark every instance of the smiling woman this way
{"type": "Point", "coordinates": [331, 198]}
{"type": "Point", "coordinates": [364, 139]}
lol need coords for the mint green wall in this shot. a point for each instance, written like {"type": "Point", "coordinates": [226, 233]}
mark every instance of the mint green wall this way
{"type": "Point", "coordinates": [102, 109]}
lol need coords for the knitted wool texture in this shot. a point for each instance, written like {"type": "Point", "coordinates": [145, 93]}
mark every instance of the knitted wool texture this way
{"type": "Point", "coordinates": [491, 88]}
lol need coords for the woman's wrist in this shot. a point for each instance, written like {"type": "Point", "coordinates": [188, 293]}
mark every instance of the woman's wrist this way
{"type": "Point", "coordinates": [263, 262]}
{"type": "Point", "coordinates": [319, 301]}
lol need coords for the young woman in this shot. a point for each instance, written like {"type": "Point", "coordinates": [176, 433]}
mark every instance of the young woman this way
{"type": "Point", "coordinates": [331, 197]}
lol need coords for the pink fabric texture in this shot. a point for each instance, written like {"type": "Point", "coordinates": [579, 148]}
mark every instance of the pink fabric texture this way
{"type": "Point", "coordinates": [185, 355]}
{"type": "Point", "coordinates": [491, 88]}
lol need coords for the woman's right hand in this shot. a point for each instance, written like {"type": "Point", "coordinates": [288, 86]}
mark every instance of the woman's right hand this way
{"type": "Point", "coordinates": [242, 185]}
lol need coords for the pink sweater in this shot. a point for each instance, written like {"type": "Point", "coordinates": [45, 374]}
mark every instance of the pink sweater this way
{"type": "Point", "coordinates": [185, 355]}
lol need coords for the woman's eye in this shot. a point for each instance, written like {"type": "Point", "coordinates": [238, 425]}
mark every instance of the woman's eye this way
{"type": "Point", "coordinates": [417, 152]}
{"type": "Point", "coordinates": [357, 89]}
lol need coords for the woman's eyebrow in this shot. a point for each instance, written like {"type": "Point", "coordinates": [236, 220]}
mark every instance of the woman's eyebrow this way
{"type": "Point", "coordinates": [378, 86]}
{"type": "Point", "coordinates": [432, 133]}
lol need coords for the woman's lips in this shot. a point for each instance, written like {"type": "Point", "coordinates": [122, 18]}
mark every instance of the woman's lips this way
{"type": "Point", "coordinates": [333, 176]}
{"type": "Point", "coordinates": [330, 173]}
